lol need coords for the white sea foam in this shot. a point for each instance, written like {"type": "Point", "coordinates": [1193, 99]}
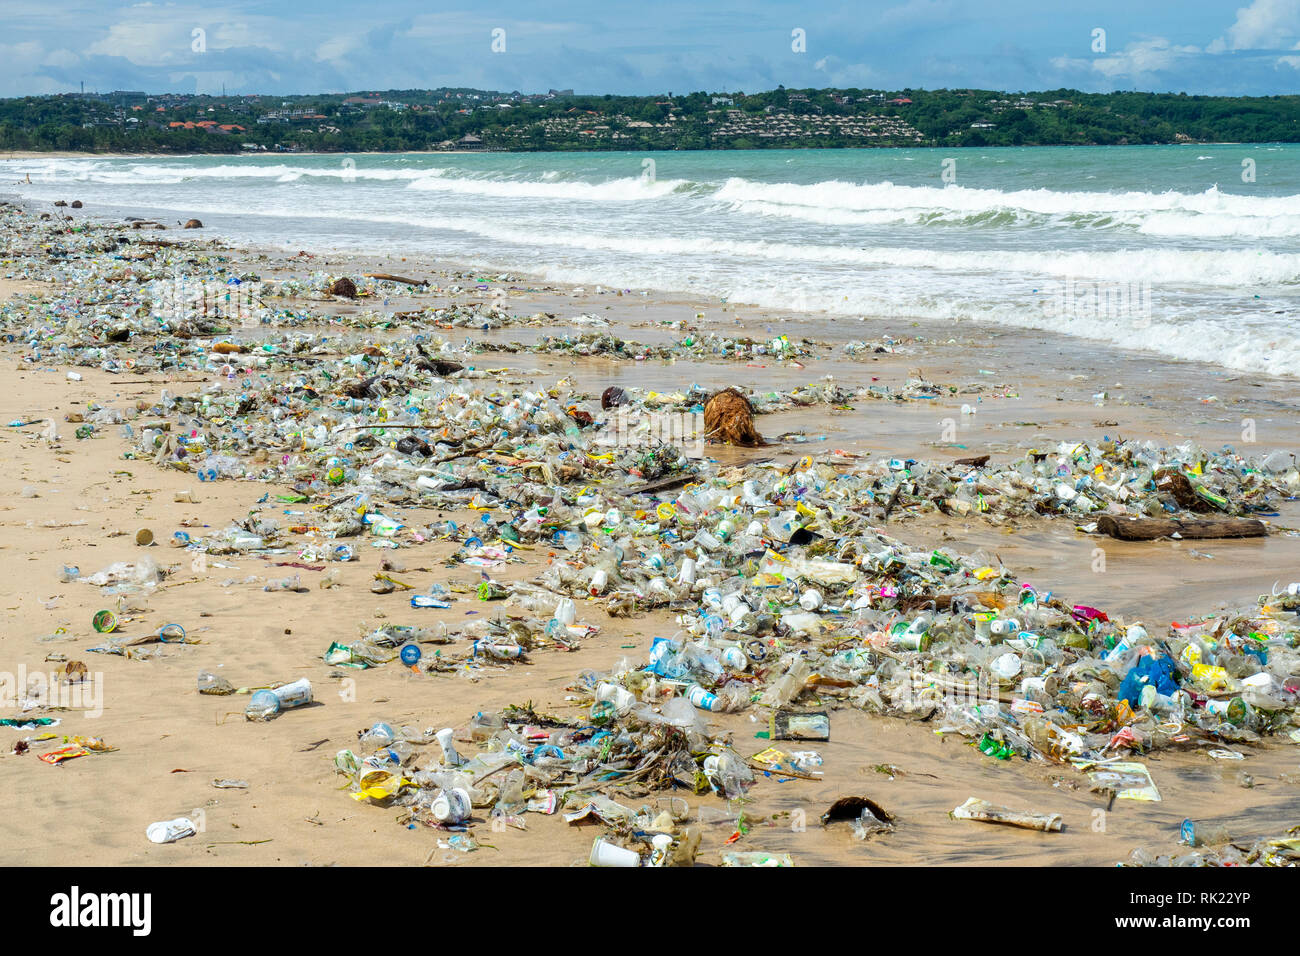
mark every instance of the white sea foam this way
{"type": "Point", "coordinates": [625, 189]}
{"type": "Point", "coordinates": [1222, 266]}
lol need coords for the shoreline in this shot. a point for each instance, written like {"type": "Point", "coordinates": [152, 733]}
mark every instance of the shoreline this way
{"type": "Point", "coordinates": [66, 154]}
{"type": "Point", "coordinates": [838, 327]}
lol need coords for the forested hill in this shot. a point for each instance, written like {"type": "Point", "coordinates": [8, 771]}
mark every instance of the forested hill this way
{"type": "Point", "coordinates": [400, 120]}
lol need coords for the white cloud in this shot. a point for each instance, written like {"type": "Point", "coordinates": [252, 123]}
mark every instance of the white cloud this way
{"type": "Point", "coordinates": [1143, 57]}
{"type": "Point", "coordinates": [1139, 59]}
{"type": "Point", "coordinates": [60, 58]}
{"type": "Point", "coordinates": [337, 47]}
{"type": "Point", "coordinates": [145, 44]}
{"type": "Point", "coordinates": [1261, 26]}
{"type": "Point", "coordinates": [25, 60]}
{"type": "Point", "coordinates": [840, 73]}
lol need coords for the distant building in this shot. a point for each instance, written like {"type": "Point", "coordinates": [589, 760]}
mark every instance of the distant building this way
{"type": "Point", "coordinates": [469, 141]}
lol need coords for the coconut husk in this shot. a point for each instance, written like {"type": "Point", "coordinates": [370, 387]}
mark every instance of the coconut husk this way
{"type": "Point", "coordinates": [1174, 482]}
{"type": "Point", "coordinates": [729, 418]}
{"type": "Point", "coordinates": [438, 366]}
{"type": "Point", "coordinates": [361, 389]}
{"type": "Point", "coordinates": [612, 397]}
{"type": "Point", "coordinates": [193, 224]}
{"type": "Point", "coordinates": [344, 288]}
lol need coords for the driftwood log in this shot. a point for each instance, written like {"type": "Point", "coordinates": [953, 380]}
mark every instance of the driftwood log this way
{"type": "Point", "coordinates": [386, 277]}
{"type": "Point", "coordinates": [1148, 529]}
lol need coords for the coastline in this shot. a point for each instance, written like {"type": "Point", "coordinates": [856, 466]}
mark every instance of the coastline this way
{"type": "Point", "coordinates": [65, 154]}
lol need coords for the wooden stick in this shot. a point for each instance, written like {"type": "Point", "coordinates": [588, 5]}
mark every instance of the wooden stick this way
{"type": "Point", "coordinates": [1148, 529]}
{"type": "Point", "coordinates": [391, 278]}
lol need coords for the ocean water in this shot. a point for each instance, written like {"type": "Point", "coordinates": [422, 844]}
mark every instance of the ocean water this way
{"type": "Point", "coordinates": [1189, 251]}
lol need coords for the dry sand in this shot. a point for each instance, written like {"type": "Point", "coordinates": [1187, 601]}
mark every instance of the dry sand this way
{"type": "Point", "coordinates": [80, 503]}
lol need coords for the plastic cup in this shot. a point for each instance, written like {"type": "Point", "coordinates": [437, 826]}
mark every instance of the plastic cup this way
{"type": "Point", "coordinates": [452, 806]}
{"type": "Point", "coordinates": [262, 706]}
{"type": "Point", "coordinates": [450, 758]}
{"type": "Point", "coordinates": [294, 694]}
{"type": "Point", "coordinates": [703, 699]}
{"type": "Point", "coordinates": [735, 658]}
{"type": "Point", "coordinates": [663, 844]}
{"type": "Point", "coordinates": [687, 573]}
{"type": "Point", "coordinates": [604, 853]}
{"type": "Point", "coordinates": [566, 612]}
{"type": "Point", "coordinates": [168, 831]}
{"type": "Point", "coordinates": [620, 697]}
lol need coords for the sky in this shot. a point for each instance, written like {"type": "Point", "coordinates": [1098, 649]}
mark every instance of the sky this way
{"type": "Point", "coordinates": [648, 46]}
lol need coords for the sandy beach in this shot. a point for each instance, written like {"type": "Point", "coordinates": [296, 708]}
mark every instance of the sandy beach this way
{"type": "Point", "coordinates": [80, 503]}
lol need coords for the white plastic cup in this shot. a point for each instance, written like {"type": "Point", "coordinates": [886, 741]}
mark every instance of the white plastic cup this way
{"type": "Point", "coordinates": [1033, 684]}
{"type": "Point", "coordinates": [735, 658]}
{"type": "Point", "coordinates": [452, 806]}
{"type": "Point", "coordinates": [811, 599]}
{"type": "Point", "coordinates": [1007, 666]}
{"type": "Point", "coordinates": [620, 697]}
{"type": "Point", "coordinates": [604, 853]}
{"type": "Point", "coordinates": [703, 699]}
{"type": "Point", "coordinates": [169, 831]}
{"type": "Point", "coordinates": [294, 695]}
{"type": "Point", "coordinates": [662, 843]}
{"type": "Point", "coordinates": [566, 612]}
{"type": "Point", "coordinates": [449, 756]}
{"type": "Point", "coordinates": [739, 614]}
{"type": "Point", "coordinates": [599, 580]}
{"type": "Point", "coordinates": [687, 573]}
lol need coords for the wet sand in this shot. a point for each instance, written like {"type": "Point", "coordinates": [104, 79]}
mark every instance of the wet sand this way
{"type": "Point", "coordinates": [173, 742]}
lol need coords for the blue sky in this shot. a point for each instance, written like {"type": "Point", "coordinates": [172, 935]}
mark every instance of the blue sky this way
{"type": "Point", "coordinates": [652, 46]}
